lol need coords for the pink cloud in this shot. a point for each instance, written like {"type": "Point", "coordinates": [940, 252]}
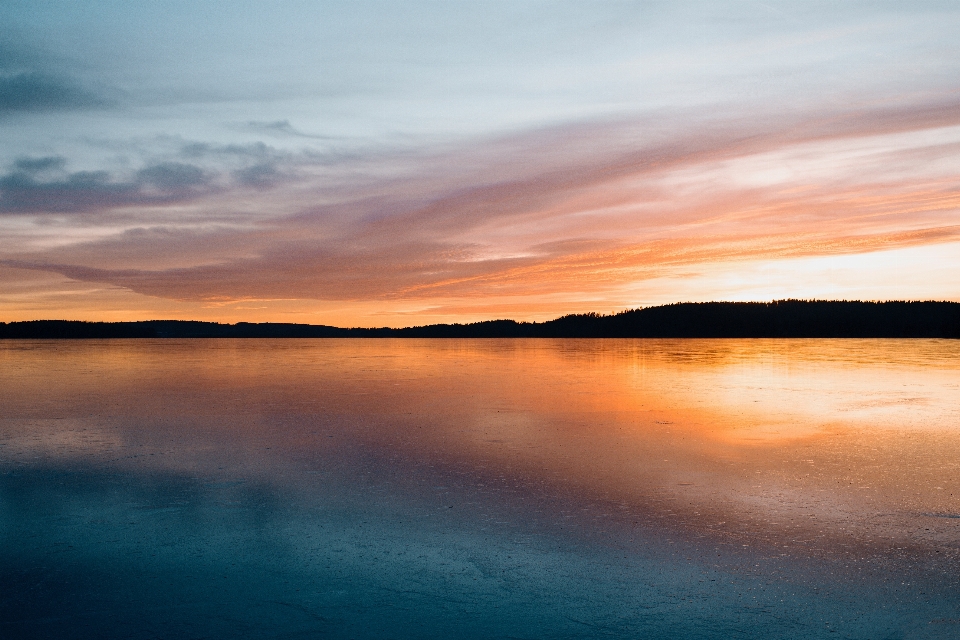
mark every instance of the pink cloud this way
{"type": "Point", "coordinates": [572, 210]}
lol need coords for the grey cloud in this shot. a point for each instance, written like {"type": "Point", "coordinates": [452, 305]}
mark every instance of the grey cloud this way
{"type": "Point", "coordinates": [35, 91]}
{"type": "Point", "coordinates": [260, 176]}
{"type": "Point", "coordinates": [257, 150]}
{"type": "Point", "coordinates": [81, 191]}
{"type": "Point", "coordinates": [29, 188]}
{"type": "Point", "coordinates": [43, 185]}
{"type": "Point", "coordinates": [33, 166]}
{"type": "Point", "coordinates": [173, 176]}
{"type": "Point", "coordinates": [260, 166]}
{"type": "Point", "coordinates": [282, 128]}
{"type": "Point", "coordinates": [35, 80]}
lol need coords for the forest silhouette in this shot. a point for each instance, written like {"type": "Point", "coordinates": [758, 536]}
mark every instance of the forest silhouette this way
{"type": "Point", "coordinates": [778, 319]}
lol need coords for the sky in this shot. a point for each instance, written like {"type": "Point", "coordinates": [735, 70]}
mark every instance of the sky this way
{"type": "Point", "coordinates": [399, 163]}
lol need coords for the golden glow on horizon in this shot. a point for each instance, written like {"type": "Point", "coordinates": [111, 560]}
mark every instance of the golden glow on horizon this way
{"type": "Point", "coordinates": [919, 273]}
{"type": "Point", "coordinates": [851, 216]}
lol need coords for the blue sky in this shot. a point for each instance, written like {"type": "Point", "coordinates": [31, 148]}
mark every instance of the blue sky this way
{"type": "Point", "coordinates": [396, 163]}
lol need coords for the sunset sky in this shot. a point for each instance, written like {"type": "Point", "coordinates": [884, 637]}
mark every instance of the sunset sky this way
{"type": "Point", "coordinates": [398, 163]}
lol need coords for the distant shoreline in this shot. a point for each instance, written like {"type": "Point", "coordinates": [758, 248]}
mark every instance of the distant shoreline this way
{"type": "Point", "coordinates": [779, 319]}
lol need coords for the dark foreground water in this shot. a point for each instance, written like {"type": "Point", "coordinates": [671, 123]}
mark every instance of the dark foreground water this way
{"type": "Point", "coordinates": [480, 489]}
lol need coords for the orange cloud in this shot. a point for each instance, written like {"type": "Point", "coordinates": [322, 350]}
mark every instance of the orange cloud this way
{"type": "Point", "coordinates": [570, 216]}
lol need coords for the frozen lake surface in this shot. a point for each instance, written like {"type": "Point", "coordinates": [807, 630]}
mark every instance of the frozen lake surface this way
{"type": "Point", "coordinates": [480, 489]}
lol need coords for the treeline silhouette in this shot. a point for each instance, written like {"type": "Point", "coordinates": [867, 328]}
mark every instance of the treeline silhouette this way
{"type": "Point", "coordinates": [779, 319]}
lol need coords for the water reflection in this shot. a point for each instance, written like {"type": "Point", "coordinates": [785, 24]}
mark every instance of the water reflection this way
{"type": "Point", "coordinates": [495, 474]}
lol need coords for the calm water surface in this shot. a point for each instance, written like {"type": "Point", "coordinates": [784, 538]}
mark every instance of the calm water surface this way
{"type": "Point", "coordinates": [480, 488]}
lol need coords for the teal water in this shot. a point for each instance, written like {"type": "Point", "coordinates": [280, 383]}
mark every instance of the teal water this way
{"type": "Point", "coordinates": [479, 489]}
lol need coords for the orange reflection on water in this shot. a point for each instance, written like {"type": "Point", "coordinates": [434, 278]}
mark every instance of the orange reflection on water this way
{"type": "Point", "coordinates": [803, 436]}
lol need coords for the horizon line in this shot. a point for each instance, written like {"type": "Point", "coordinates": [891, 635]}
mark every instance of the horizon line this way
{"type": "Point", "coordinates": [587, 314]}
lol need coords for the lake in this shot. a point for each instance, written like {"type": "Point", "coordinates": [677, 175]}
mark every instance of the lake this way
{"type": "Point", "coordinates": [364, 488]}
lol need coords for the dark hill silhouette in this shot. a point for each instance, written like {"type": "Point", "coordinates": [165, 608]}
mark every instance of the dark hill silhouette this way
{"type": "Point", "coordinates": [780, 319]}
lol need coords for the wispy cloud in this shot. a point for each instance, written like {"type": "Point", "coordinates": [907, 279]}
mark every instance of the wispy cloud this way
{"type": "Point", "coordinates": [31, 81]}
{"type": "Point", "coordinates": [34, 91]}
{"type": "Point", "coordinates": [584, 209]}
{"type": "Point", "coordinates": [281, 128]}
{"type": "Point", "coordinates": [39, 185]}
{"type": "Point", "coordinates": [402, 159]}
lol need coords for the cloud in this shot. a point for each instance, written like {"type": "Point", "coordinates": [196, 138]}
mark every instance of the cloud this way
{"type": "Point", "coordinates": [35, 91]}
{"type": "Point", "coordinates": [412, 270]}
{"type": "Point", "coordinates": [33, 166]}
{"type": "Point", "coordinates": [254, 150]}
{"type": "Point", "coordinates": [81, 191]}
{"type": "Point", "coordinates": [587, 209]}
{"type": "Point", "coordinates": [255, 165]}
{"type": "Point", "coordinates": [34, 80]}
{"type": "Point", "coordinates": [282, 128]}
{"type": "Point", "coordinates": [39, 185]}
{"type": "Point", "coordinates": [173, 176]}
{"type": "Point", "coordinates": [261, 175]}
